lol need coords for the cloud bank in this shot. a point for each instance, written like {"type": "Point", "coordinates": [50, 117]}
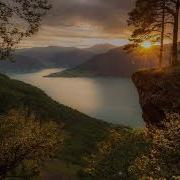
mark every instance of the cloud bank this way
{"type": "Point", "coordinates": [83, 22]}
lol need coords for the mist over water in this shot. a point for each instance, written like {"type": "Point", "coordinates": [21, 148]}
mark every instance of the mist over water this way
{"type": "Point", "coordinates": [114, 100]}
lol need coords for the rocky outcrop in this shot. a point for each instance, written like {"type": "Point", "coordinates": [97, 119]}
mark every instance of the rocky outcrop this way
{"type": "Point", "coordinates": [159, 93]}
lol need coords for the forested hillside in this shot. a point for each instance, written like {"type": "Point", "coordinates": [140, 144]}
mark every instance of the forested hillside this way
{"type": "Point", "coordinates": [83, 134]}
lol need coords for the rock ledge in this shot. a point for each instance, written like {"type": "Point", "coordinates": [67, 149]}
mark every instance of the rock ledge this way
{"type": "Point", "coordinates": [159, 93]}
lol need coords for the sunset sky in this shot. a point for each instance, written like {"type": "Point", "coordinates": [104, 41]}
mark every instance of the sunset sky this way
{"type": "Point", "coordinates": [83, 23]}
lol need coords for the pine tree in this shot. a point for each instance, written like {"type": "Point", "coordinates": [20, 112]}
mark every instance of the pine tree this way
{"type": "Point", "coordinates": [173, 9]}
{"type": "Point", "coordinates": [149, 19]}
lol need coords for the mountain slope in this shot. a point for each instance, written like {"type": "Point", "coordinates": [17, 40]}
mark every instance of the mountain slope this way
{"type": "Point", "coordinates": [56, 57]}
{"type": "Point", "coordinates": [35, 59]}
{"type": "Point", "coordinates": [115, 63]}
{"type": "Point", "coordinates": [83, 132]}
{"type": "Point", "coordinates": [100, 48]}
{"type": "Point", "coordinates": [119, 63]}
{"type": "Point", "coordinates": [21, 64]}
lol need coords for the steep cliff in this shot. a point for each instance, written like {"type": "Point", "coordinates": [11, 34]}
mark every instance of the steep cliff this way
{"type": "Point", "coordinates": [159, 93]}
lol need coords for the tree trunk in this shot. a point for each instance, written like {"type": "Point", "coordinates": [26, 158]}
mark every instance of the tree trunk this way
{"type": "Point", "coordinates": [175, 35]}
{"type": "Point", "coordinates": [162, 33]}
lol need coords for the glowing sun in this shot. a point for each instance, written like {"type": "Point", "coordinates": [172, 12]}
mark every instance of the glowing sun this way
{"type": "Point", "coordinates": [146, 44]}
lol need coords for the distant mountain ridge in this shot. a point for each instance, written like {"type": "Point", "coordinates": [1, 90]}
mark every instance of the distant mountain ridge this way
{"type": "Point", "coordinates": [35, 59]}
{"type": "Point", "coordinates": [21, 64]}
{"type": "Point", "coordinates": [83, 132]}
{"type": "Point", "coordinates": [114, 63]}
{"type": "Point", "coordinates": [118, 62]}
{"type": "Point", "coordinates": [102, 48]}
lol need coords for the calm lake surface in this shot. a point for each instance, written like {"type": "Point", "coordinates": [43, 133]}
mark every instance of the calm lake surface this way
{"type": "Point", "coordinates": [111, 99]}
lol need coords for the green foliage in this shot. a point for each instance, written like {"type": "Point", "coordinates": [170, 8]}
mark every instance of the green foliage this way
{"type": "Point", "coordinates": [115, 154]}
{"type": "Point", "coordinates": [82, 132]}
{"type": "Point", "coordinates": [24, 141]}
{"type": "Point", "coordinates": [94, 148]}
{"type": "Point", "coordinates": [163, 159]}
{"type": "Point", "coordinates": [146, 18]}
{"type": "Point", "coordinates": [19, 19]}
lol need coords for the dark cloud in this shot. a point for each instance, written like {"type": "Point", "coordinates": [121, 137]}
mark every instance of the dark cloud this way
{"type": "Point", "coordinates": [83, 23]}
{"type": "Point", "coordinates": [109, 15]}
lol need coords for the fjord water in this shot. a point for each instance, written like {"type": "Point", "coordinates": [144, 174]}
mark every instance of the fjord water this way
{"type": "Point", "coordinates": [114, 100]}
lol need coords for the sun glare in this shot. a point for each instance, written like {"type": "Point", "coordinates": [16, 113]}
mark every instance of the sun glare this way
{"type": "Point", "coordinates": [146, 44]}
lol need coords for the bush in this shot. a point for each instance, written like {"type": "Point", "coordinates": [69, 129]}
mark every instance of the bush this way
{"type": "Point", "coordinates": [25, 141]}
{"type": "Point", "coordinates": [163, 160]}
{"type": "Point", "coordinates": [115, 154]}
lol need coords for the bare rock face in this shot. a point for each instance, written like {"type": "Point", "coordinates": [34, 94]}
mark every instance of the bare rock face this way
{"type": "Point", "coordinates": [159, 93]}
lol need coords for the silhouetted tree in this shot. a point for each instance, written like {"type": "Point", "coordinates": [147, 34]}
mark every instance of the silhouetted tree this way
{"type": "Point", "coordinates": [149, 18]}
{"type": "Point", "coordinates": [173, 9]}
{"type": "Point", "coordinates": [19, 19]}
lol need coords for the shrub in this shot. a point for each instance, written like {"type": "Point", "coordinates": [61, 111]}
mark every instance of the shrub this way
{"type": "Point", "coordinates": [163, 160]}
{"type": "Point", "coordinates": [26, 141]}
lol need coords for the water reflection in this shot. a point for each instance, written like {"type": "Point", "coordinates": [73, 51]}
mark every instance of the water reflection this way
{"type": "Point", "coordinates": [113, 100]}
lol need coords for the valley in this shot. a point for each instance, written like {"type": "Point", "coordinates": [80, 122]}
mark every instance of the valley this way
{"type": "Point", "coordinates": [89, 90]}
{"type": "Point", "coordinates": [114, 100]}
